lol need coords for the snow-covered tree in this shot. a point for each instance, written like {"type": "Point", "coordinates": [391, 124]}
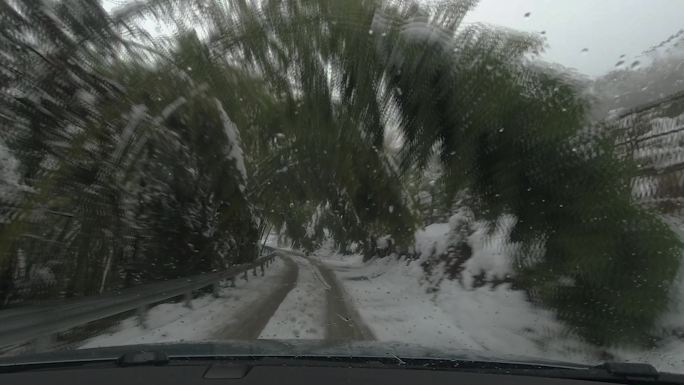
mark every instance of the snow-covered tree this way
{"type": "Point", "coordinates": [148, 160]}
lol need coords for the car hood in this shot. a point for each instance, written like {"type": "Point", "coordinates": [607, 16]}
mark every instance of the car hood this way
{"type": "Point", "coordinates": [283, 348]}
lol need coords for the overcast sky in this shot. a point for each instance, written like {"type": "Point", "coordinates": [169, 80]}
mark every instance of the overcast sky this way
{"type": "Point", "coordinates": [607, 28]}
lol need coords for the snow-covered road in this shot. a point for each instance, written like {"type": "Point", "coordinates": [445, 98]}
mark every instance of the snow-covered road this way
{"type": "Point", "coordinates": [317, 308]}
{"type": "Point", "coordinates": [208, 318]}
{"type": "Point", "coordinates": [299, 298]}
{"type": "Point", "coordinates": [302, 313]}
{"type": "Point", "coordinates": [343, 298]}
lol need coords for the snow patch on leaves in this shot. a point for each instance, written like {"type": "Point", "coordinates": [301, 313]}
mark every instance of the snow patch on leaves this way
{"type": "Point", "coordinates": [234, 151]}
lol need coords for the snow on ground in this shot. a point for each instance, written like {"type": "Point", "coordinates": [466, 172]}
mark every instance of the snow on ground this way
{"type": "Point", "coordinates": [271, 239]}
{"type": "Point", "coordinates": [173, 322]}
{"type": "Point", "coordinates": [328, 253]}
{"type": "Point", "coordinates": [432, 238]}
{"type": "Point", "coordinates": [395, 305]}
{"type": "Point", "coordinates": [301, 315]}
{"type": "Point", "coordinates": [392, 299]}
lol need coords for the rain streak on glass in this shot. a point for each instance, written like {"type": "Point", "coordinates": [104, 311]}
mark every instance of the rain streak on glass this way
{"type": "Point", "coordinates": [499, 176]}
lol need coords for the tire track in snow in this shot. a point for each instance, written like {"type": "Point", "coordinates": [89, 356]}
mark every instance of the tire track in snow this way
{"type": "Point", "coordinates": [317, 308]}
{"type": "Point", "coordinates": [238, 313]}
{"type": "Point", "coordinates": [317, 274]}
{"type": "Point", "coordinates": [250, 324]}
{"type": "Point", "coordinates": [343, 320]}
{"type": "Point", "coordinates": [301, 315]}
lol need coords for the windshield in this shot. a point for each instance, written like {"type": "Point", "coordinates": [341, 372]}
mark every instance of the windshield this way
{"type": "Point", "coordinates": [504, 177]}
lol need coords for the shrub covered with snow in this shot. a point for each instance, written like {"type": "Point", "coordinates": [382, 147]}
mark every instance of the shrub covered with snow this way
{"type": "Point", "coordinates": [477, 303]}
{"type": "Point", "coordinates": [473, 253]}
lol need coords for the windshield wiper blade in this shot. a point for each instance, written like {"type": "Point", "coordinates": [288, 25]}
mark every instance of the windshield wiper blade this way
{"type": "Point", "coordinates": [143, 357]}
{"type": "Point", "coordinates": [129, 358]}
{"type": "Point", "coordinates": [612, 372]}
{"type": "Point", "coordinates": [630, 370]}
{"type": "Point", "coordinates": [609, 372]}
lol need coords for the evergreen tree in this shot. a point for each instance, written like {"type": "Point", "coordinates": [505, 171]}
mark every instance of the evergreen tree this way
{"type": "Point", "coordinates": [510, 131]}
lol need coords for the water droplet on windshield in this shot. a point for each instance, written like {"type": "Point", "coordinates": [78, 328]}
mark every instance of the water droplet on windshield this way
{"type": "Point", "coordinates": [370, 31]}
{"type": "Point", "coordinates": [585, 51]}
{"type": "Point", "coordinates": [619, 64]}
{"type": "Point", "coordinates": [527, 14]}
{"type": "Point", "coordinates": [636, 64]}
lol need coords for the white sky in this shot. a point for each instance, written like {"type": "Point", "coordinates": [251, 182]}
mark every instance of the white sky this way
{"type": "Point", "coordinates": [607, 28]}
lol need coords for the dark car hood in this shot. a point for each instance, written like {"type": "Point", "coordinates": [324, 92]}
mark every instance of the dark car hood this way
{"type": "Point", "coordinates": [282, 348]}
